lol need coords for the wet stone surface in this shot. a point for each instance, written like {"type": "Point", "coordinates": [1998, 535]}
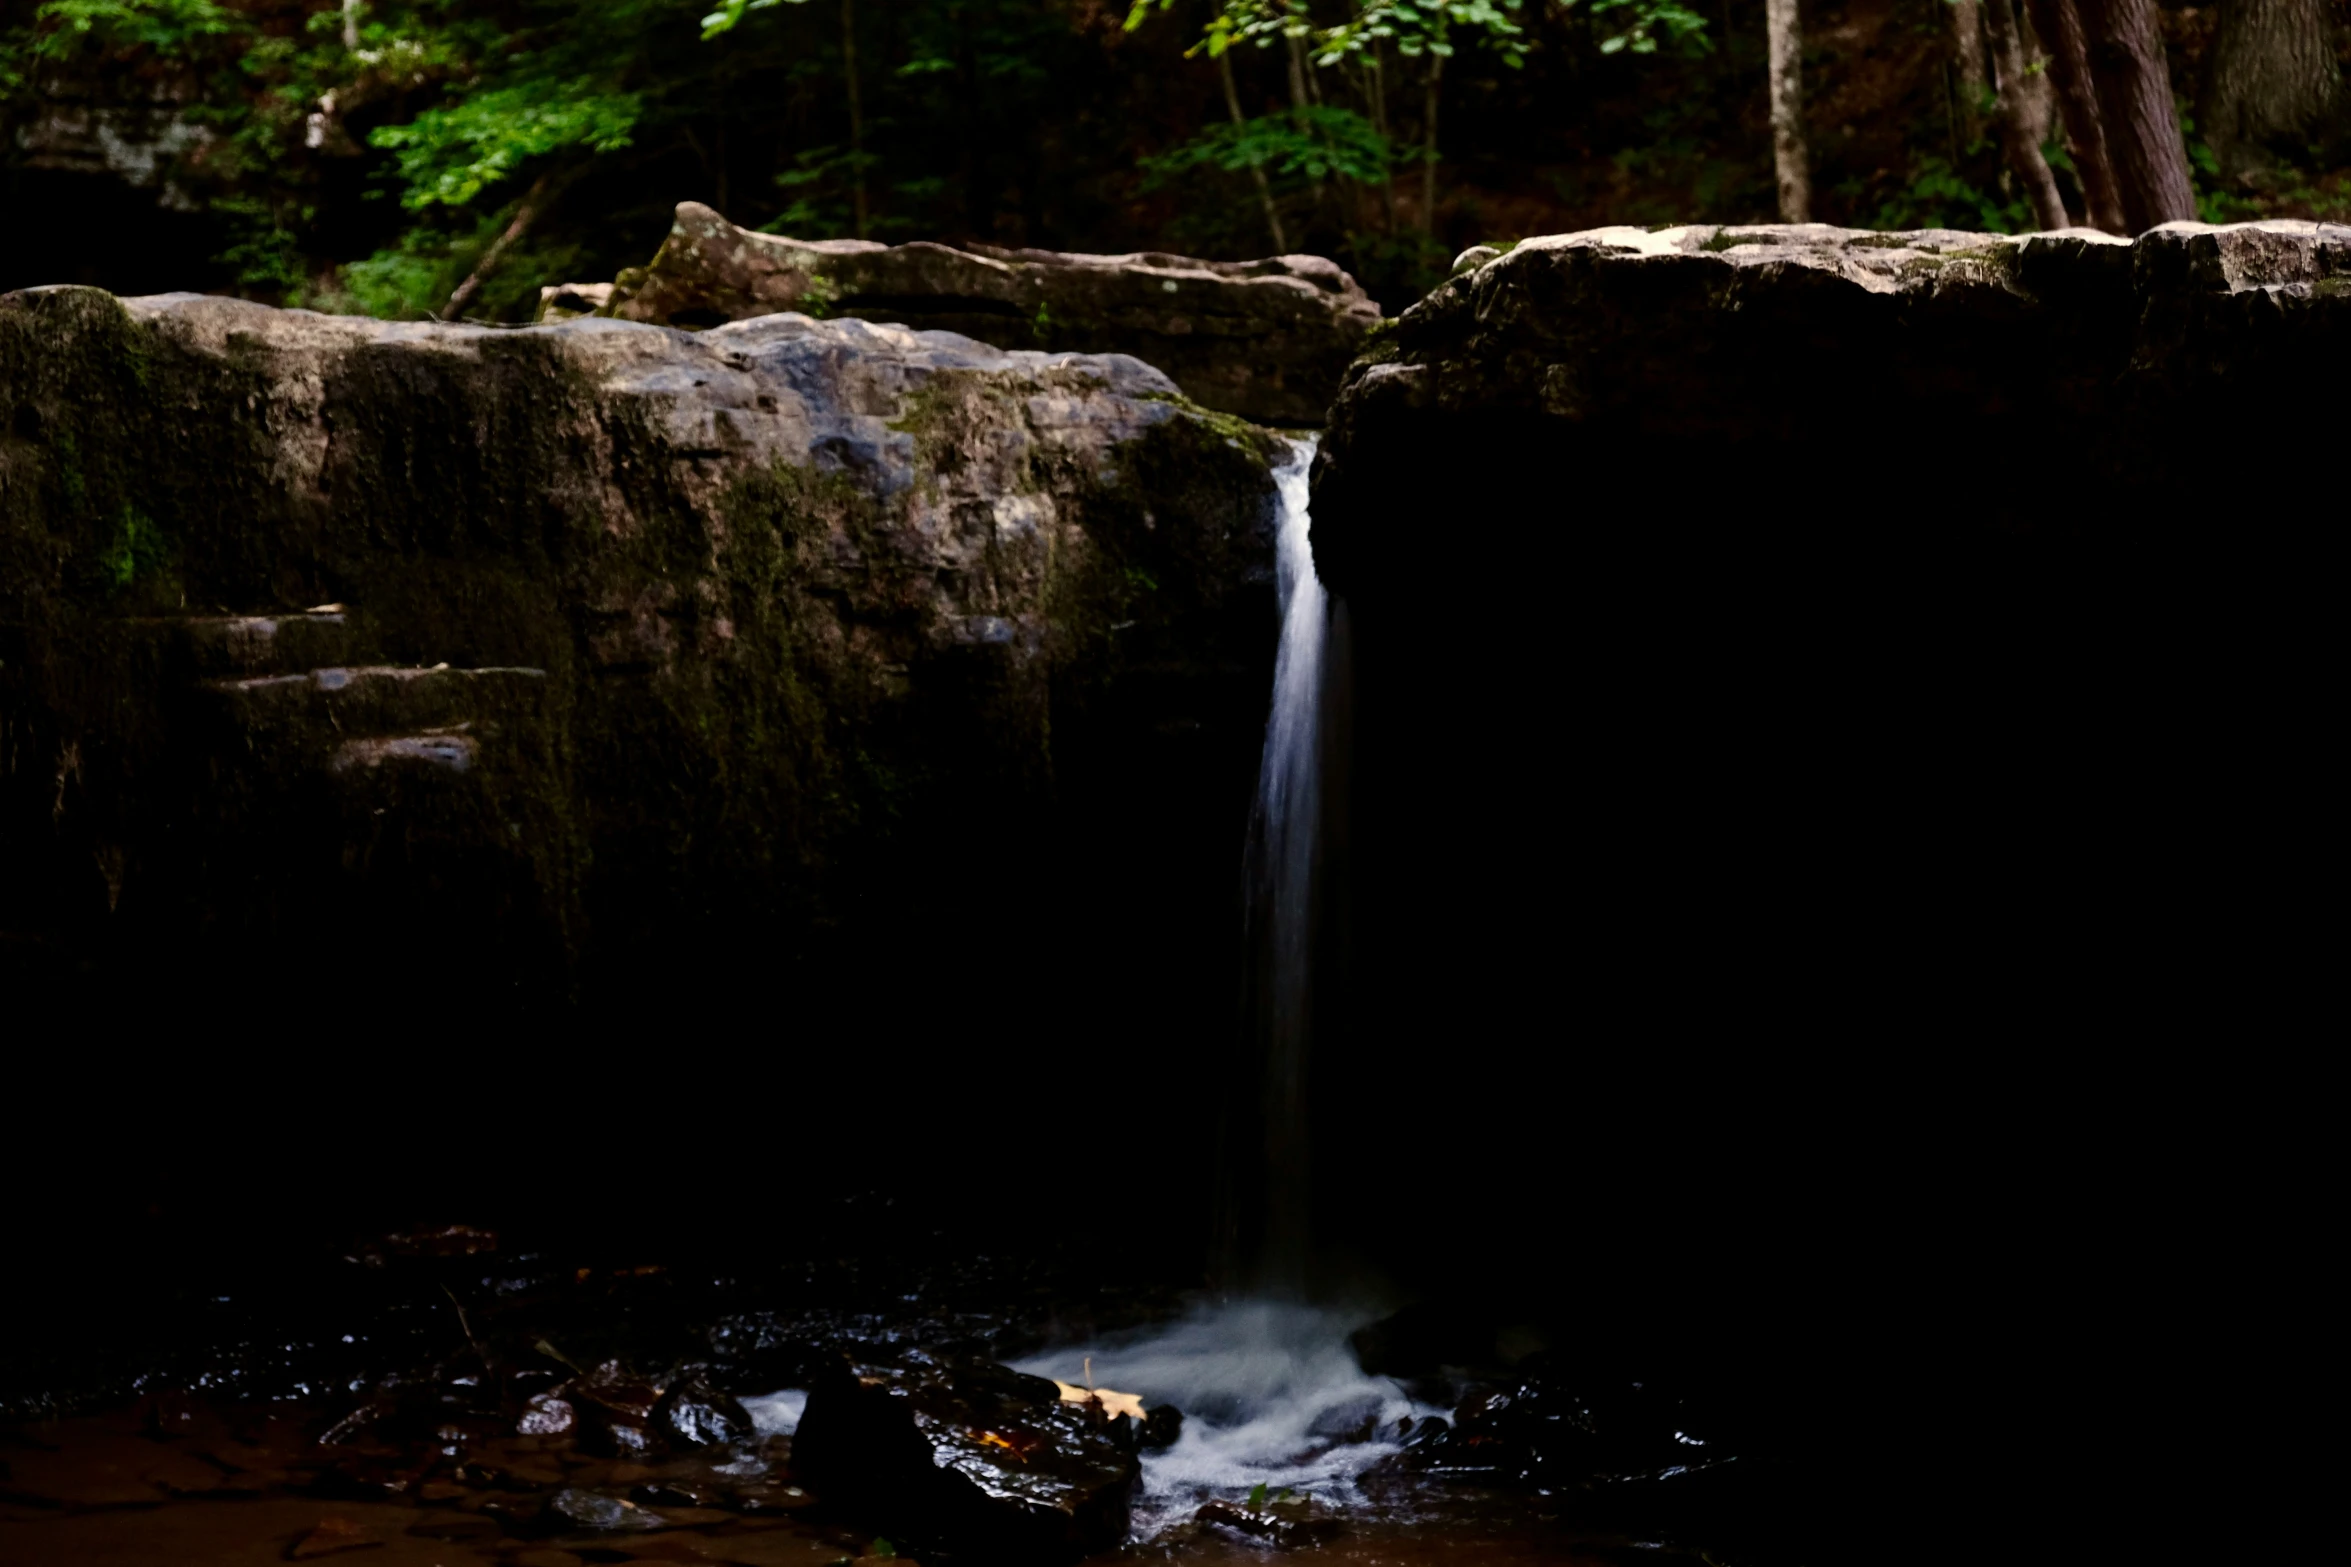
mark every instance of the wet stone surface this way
{"type": "Point", "coordinates": [439, 1400]}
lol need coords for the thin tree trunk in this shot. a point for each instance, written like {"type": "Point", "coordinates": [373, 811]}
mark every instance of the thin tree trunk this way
{"type": "Point", "coordinates": [2060, 27]}
{"type": "Point", "coordinates": [2274, 81]}
{"type": "Point", "coordinates": [856, 115]}
{"type": "Point", "coordinates": [1967, 54]}
{"type": "Point", "coordinates": [1377, 74]}
{"type": "Point", "coordinates": [2017, 136]}
{"type": "Point", "coordinates": [1301, 98]}
{"type": "Point", "coordinates": [1428, 151]}
{"type": "Point", "coordinates": [534, 201]}
{"type": "Point", "coordinates": [1787, 122]}
{"type": "Point", "coordinates": [351, 26]}
{"type": "Point", "coordinates": [1232, 103]}
{"type": "Point", "coordinates": [2034, 91]}
{"type": "Point", "coordinates": [2144, 146]}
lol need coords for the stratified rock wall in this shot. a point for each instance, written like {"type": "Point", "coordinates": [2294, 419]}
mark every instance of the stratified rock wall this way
{"type": "Point", "coordinates": [1267, 340]}
{"type": "Point", "coordinates": [553, 651]}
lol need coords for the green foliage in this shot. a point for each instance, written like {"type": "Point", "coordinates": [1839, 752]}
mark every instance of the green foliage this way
{"type": "Point", "coordinates": [1414, 26]}
{"type": "Point", "coordinates": [1317, 142]}
{"type": "Point", "coordinates": [451, 154]}
{"type": "Point", "coordinates": [1939, 196]}
{"type": "Point", "coordinates": [725, 18]}
{"type": "Point", "coordinates": [1644, 25]}
{"type": "Point", "coordinates": [169, 27]}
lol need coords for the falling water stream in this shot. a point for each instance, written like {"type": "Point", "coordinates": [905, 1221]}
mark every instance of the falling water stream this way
{"type": "Point", "coordinates": [1284, 835]}
{"type": "Point", "coordinates": [1270, 1390]}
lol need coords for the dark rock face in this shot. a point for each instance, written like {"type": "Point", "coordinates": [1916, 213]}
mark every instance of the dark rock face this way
{"type": "Point", "coordinates": [503, 651]}
{"type": "Point", "coordinates": [1267, 340]}
{"type": "Point", "coordinates": [969, 1457]}
{"type": "Point", "coordinates": [1864, 635]}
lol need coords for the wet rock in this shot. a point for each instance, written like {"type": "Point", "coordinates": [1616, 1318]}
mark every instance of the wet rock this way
{"type": "Point", "coordinates": [447, 1240]}
{"type": "Point", "coordinates": [695, 1414]}
{"type": "Point", "coordinates": [670, 1493]}
{"type": "Point", "coordinates": [1267, 340]}
{"type": "Point", "coordinates": [547, 1414]}
{"type": "Point", "coordinates": [614, 1408]}
{"type": "Point", "coordinates": [606, 1514]}
{"type": "Point", "coordinates": [1549, 1431]}
{"type": "Point", "coordinates": [1355, 1420]}
{"type": "Point", "coordinates": [766, 1500]}
{"type": "Point", "coordinates": [970, 1457]}
{"type": "Point", "coordinates": [1162, 1425]}
{"type": "Point", "coordinates": [1286, 1526]}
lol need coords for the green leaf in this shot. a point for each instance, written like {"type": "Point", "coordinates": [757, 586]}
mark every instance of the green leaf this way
{"type": "Point", "coordinates": [882, 1548]}
{"type": "Point", "coordinates": [1257, 1494]}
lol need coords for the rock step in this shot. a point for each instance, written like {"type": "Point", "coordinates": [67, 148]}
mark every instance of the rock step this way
{"type": "Point", "coordinates": [219, 646]}
{"type": "Point", "coordinates": [360, 718]}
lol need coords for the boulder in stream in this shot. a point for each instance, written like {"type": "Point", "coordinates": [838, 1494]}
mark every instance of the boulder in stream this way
{"type": "Point", "coordinates": [968, 1457]}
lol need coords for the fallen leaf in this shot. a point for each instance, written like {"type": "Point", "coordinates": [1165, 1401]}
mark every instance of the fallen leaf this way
{"type": "Point", "coordinates": [1114, 1404]}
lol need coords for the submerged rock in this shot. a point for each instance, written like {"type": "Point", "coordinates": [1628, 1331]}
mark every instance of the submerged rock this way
{"type": "Point", "coordinates": [1266, 339]}
{"type": "Point", "coordinates": [969, 1457]}
{"type": "Point", "coordinates": [1288, 1525]}
{"type": "Point", "coordinates": [694, 1414]}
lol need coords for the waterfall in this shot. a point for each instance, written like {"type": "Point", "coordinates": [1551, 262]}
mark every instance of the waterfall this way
{"type": "Point", "coordinates": [1271, 1393]}
{"type": "Point", "coordinates": [1284, 837]}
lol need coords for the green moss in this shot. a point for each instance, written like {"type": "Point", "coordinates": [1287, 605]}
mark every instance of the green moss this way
{"type": "Point", "coordinates": [139, 550]}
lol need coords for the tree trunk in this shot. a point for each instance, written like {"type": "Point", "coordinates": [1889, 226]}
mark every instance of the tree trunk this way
{"type": "Point", "coordinates": [856, 116]}
{"type": "Point", "coordinates": [2144, 146]}
{"type": "Point", "coordinates": [1377, 77]}
{"type": "Point", "coordinates": [2060, 27]}
{"type": "Point", "coordinates": [2034, 93]}
{"type": "Point", "coordinates": [1787, 123]}
{"type": "Point", "coordinates": [1428, 151]}
{"type": "Point", "coordinates": [2274, 82]}
{"type": "Point", "coordinates": [2018, 137]}
{"type": "Point", "coordinates": [1232, 103]}
{"type": "Point", "coordinates": [1975, 81]}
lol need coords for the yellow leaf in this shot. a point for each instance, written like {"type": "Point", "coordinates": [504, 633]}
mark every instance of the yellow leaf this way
{"type": "Point", "coordinates": [1113, 1404]}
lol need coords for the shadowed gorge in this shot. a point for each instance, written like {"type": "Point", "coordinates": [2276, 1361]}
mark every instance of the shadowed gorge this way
{"type": "Point", "coordinates": [810, 940]}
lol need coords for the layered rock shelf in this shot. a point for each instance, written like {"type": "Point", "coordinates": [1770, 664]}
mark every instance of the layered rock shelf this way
{"type": "Point", "coordinates": [1267, 340]}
